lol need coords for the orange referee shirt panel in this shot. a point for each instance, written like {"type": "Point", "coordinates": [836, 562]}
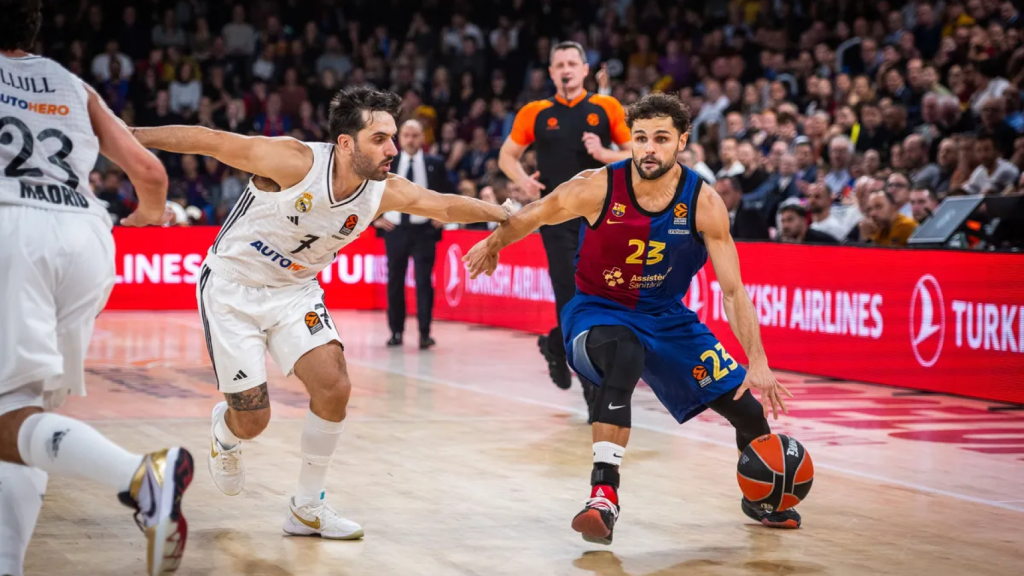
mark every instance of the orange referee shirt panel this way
{"type": "Point", "coordinates": [555, 127]}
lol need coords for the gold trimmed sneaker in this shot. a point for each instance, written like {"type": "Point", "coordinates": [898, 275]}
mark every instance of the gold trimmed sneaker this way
{"type": "Point", "coordinates": [155, 494]}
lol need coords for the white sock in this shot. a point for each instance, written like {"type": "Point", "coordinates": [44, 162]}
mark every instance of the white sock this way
{"type": "Point", "coordinates": [319, 441]}
{"type": "Point", "coordinates": [225, 437]}
{"type": "Point", "coordinates": [21, 498]}
{"type": "Point", "coordinates": [608, 453]}
{"type": "Point", "coordinates": [66, 447]}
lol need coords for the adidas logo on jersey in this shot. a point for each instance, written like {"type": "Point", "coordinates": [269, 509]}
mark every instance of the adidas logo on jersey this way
{"type": "Point", "coordinates": [240, 376]}
{"type": "Point", "coordinates": [294, 220]}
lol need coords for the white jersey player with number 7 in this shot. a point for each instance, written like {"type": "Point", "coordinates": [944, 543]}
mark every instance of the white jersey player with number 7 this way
{"type": "Point", "coordinates": [257, 289]}
{"type": "Point", "coordinates": [57, 263]}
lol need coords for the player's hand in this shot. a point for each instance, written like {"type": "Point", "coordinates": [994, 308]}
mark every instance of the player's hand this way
{"type": "Point", "coordinates": [481, 259]}
{"type": "Point", "coordinates": [532, 186]}
{"type": "Point", "coordinates": [149, 217]}
{"type": "Point", "coordinates": [384, 224]}
{"type": "Point", "coordinates": [760, 377]}
{"type": "Point", "coordinates": [594, 147]}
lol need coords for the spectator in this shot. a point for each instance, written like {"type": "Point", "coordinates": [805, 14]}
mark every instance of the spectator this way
{"type": "Point", "coordinates": [923, 174]}
{"type": "Point", "coordinates": [995, 126]}
{"type": "Point", "coordinates": [480, 151]}
{"type": "Point", "coordinates": [744, 223]}
{"type": "Point", "coordinates": [923, 203]}
{"type": "Point", "coordinates": [840, 153]}
{"type": "Point", "coordinates": [887, 226]}
{"type": "Point", "coordinates": [292, 93]}
{"type": "Point", "coordinates": [819, 205]}
{"type": "Point", "coordinates": [993, 174]}
{"type": "Point", "coordinates": [692, 158]}
{"type": "Point", "coordinates": [168, 33]}
{"type": "Point", "coordinates": [272, 122]}
{"type": "Point", "coordinates": [947, 162]}
{"type": "Point", "coordinates": [898, 186]}
{"type": "Point", "coordinates": [807, 169]}
{"type": "Point", "coordinates": [110, 195]}
{"type": "Point", "coordinates": [728, 157]}
{"type": "Point", "coordinates": [989, 84]}
{"type": "Point", "coordinates": [185, 92]}
{"type": "Point", "coordinates": [794, 229]}
{"type": "Point", "coordinates": [753, 174]}
{"type": "Point", "coordinates": [101, 63]}
{"type": "Point", "coordinates": [239, 36]}
{"type": "Point", "coordinates": [775, 189]}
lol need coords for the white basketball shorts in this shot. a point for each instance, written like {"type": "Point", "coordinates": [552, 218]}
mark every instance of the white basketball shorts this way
{"type": "Point", "coordinates": [242, 323]}
{"type": "Point", "coordinates": [56, 273]}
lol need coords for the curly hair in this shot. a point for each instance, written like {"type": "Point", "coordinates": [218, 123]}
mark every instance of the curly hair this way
{"type": "Point", "coordinates": [20, 24]}
{"type": "Point", "coordinates": [658, 105]}
{"type": "Point", "coordinates": [347, 107]}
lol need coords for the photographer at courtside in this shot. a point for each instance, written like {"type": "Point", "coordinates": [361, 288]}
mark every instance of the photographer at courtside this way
{"type": "Point", "coordinates": [572, 131]}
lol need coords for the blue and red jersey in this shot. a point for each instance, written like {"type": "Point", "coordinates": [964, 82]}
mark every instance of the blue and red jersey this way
{"type": "Point", "coordinates": [639, 259]}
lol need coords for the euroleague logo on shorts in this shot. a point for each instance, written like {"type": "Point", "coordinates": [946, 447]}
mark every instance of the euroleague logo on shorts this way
{"type": "Point", "coordinates": [927, 321]}
{"type": "Point", "coordinates": [696, 298]}
{"type": "Point", "coordinates": [454, 276]}
{"type": "Point", "coordinates": [700, 374]}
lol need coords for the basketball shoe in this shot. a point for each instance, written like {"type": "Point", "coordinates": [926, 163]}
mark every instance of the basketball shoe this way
{"type": "Point", "coordinates": [225, 464]}
{"type": "Point", "coordinates": [155, 494]}
{"type": "Point", "coordinates": [558, 370]}
{"type": "Point", "coordinates": [319, 519]}
{"type": "Point", "coordinates": [597, 520]}
{"type": "Point", "coordinates": [785, 519]}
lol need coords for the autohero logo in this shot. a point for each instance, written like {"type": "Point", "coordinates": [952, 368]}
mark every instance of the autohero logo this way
{"type": "Point", "coordinates": [454, 276]}
{"type": "Point", "coordinates": [696, 298]}
{"type": "Point", "coordinates": [927, 321]}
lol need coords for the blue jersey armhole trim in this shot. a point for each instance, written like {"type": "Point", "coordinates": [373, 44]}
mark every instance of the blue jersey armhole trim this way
{"type": "Point", "coordinates": [607, 199]}
{"type": "Point", "coordinates": [694, 201]}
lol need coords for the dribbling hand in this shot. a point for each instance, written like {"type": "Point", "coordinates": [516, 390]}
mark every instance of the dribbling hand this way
{"type": "Point", "coordinates": [760, 377]}
{"type": "Point", "coordinates": [480, 260]}
{"type": "Point", "coordinates": [147, 217]}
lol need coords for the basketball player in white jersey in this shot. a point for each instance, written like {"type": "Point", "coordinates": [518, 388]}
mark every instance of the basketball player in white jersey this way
{"type": "Point", "coordinates": [258, 290]}
{"type": "Point", "coordinates": [56, 271]}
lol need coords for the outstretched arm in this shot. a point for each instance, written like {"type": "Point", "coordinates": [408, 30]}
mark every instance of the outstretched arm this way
{"type": "Point", "coordinates": [144, 170]}
{"type": "Point", "coordinates": [582, 196]}
{"type": "Point", "coordinates": [713, 224]}
{"type": "Point", "coordinates": [405, 196]}
{"type": "Point", "coordinates": [284, 160]}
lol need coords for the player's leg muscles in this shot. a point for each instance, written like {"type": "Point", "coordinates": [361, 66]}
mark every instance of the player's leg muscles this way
{"type": "Point", "coordinates": [248, 412]}
{"type": "Point", "coordinates": [746, 415]}
{"type": "Point", "coordinates": [323, 371]}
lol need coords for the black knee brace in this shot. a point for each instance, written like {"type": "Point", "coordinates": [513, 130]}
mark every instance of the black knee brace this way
{"type": "Point", "coordinates": [746, 415]}
{"type": "Point", "coordinates": [619, 356]}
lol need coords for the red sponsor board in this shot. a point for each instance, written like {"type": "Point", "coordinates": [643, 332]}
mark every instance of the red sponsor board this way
{"type": "Point", "coordinates": [933, 320]}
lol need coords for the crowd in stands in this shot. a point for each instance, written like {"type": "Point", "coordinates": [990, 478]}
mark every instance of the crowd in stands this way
{"type": "Point", "coordinates": [816, 120]}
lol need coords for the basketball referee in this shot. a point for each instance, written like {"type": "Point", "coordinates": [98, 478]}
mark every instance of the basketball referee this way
{"type": "Point", "coordinates": [572, 132]}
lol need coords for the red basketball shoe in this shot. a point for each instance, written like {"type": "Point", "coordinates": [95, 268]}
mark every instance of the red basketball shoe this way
{"type": "Point", "coordinates": [597, 520]}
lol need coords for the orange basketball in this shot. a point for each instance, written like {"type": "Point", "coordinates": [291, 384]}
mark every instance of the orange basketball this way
{"type": "Point", "coordinates": [775, 472]}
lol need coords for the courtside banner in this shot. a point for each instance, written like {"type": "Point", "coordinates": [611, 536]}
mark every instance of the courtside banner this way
{"type": "Point", "coordinates": [941, 321]}
{"type": "Point", "coordinates": [157, 269]}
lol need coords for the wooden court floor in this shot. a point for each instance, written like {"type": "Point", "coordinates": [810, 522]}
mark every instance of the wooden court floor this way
{"type": "Point", "coordinates": [467, 460]}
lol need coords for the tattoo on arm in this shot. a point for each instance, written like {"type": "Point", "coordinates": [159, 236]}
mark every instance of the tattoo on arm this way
{"type": "Point", "coordinates": [252, 399]}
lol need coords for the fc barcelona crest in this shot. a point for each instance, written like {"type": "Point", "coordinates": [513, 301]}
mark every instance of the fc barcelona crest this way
{"type": "Point", "coordinates": [619, 210]}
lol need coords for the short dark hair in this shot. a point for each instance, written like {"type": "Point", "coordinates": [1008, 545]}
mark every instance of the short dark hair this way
{"type": "Point", "coordinates": [797, 209]}
{"type": "Point", "coordinates": [568, 45]}
{"type": "Point", "coordinates": [20, 24]}
{"type": "Point", "coordinates": [348, 105]}
{"type": "Point", "coordinates": [931, 192]}
{"type": "Point", "coordinates": [658, 105]}
{"type": "Point", "coordinates": [888, 195]}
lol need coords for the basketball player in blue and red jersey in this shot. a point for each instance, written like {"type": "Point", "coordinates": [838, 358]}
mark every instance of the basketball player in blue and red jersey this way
{"type": "Point", "coordinates": [650, 226]}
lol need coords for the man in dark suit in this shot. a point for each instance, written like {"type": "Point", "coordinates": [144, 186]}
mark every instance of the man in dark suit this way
{"type": "Point", "coordinates": [408, 236]}
{"type": "Point", "coordinates": [778, 187]}
{"type": "Point", "coordinates": [745, 223]}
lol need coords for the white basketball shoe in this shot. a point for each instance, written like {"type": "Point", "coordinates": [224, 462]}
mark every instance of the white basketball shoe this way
{"type": "Point", "coordinates": [319, 519]}
{"type": "Point", "coordinates": [155, 494]}
{"type": "Point", "coordinates": [225, 464]}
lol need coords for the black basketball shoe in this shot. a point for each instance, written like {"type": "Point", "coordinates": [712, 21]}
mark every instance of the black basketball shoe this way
{"type": "Point", "coordinates": [597, 520]}
{"type": "Point", "coordinates": [785, 519]}
{"type": "Point", "coordinates": [557, 368]}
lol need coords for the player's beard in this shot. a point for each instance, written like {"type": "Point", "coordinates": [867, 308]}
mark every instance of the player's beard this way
{"type": "Point", "coordinates": [365, 168]}
{"type": "Point", "coordinates": [658, 172]}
